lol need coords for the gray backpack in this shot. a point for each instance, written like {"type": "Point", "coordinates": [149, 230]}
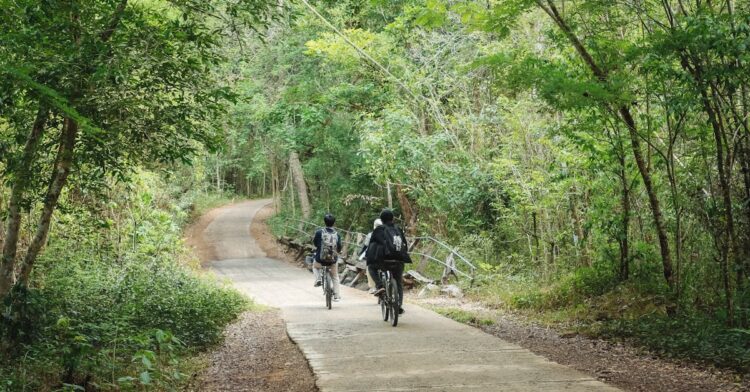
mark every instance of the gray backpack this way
{"type": "Point", "coordinates": [328, 246]}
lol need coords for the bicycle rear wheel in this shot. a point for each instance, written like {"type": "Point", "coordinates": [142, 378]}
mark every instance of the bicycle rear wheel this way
{"type": "Point", "coordinates": [393, 301]}
{"type": "Point", "coordinates": [328, 289]}
{"type": "Point", "coordinates": [384, 307]}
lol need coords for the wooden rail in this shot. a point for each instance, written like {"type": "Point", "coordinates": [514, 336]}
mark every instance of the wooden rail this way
{"type": "Point", "coordinates": [427, 254]}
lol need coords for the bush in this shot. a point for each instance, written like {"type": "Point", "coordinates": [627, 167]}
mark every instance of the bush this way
{"type": "Point", "coordinates": [114, 302]}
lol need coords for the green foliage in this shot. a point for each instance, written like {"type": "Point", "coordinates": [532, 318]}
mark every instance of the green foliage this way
{"type": "Point", "coordinates": [543, 138]}
{"type": "Point", "coordinates": [693, 337]}
{"type": "Point", "coordinates": [115, 302]}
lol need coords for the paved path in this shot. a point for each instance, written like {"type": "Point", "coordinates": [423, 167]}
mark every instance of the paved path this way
{"type": "Point", "coordinates": [346, 345]}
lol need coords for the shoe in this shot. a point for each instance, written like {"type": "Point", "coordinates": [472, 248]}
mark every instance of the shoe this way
{"type": "Point", "coordinates": [379, 292]}
{"type": "Point", "coordinates": [401, 311]}
{"type": "Point", "coordinates": [318, 283]}
{"type": "Point", "coordinates": [371, 291]}
{"type": "Point", "coordinates": [336, 298]}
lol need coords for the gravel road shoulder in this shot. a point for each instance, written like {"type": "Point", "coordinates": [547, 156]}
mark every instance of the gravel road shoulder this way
{"type": "Point", "coordinates": [257, 354]}
{"type": "Point", "coordinates": [618, 364]}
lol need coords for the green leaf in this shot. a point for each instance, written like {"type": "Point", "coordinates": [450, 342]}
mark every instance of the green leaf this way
{"type": "Point", "coordinates": [434, 15]}
{"type": "Point", "coordinates": [145, 378]}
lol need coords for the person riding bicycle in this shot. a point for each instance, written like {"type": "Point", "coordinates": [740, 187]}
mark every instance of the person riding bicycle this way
{"type": "Point", "coordinates": [388, 250]}
{"type": "Point", "coordinates": [327, 247]}
{"type": "Point", "coordinates": [370, 282]}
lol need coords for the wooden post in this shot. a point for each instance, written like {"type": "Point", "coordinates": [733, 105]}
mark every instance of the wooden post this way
{"type": "Point", "coordinates": [449, 269]}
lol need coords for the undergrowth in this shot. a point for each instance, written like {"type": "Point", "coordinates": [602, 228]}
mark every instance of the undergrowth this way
{"type": "Point", "coordinates": [465, 316]}
{"type": "Point", "coordinates": [117, 303]}
{"type": "Point", "coordinates": [592, 301]}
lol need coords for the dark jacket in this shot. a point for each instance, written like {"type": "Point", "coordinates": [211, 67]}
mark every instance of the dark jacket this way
{"type": "Point", "coordinates": [376, 248]}
{"type": "Point", "coordinates": [318, 241]}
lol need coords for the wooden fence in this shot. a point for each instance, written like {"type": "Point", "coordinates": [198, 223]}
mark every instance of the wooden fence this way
{"type": "Point", "coordinates": [434, 260]}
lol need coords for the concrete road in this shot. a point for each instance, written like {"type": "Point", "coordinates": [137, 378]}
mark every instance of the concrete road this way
{"type": "Point", "coordinates": [350, 348]}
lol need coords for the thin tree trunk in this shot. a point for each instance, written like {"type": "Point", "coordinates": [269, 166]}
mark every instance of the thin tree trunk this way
{"type": "Point", "coordinates": [63, 164]}
{"type": "Point", "coordinates": [549, 7]}
{"type": "Point", "coordinates": [653, 199]}
{"type": "Point", "coordinates": [535, 250]}
{"type": "Point", "coordinates": [21, 182]}
{"type": "Point", "coordinates": [263, 194]}
{"type": "Point", "coordinates": [410, 216]}
{"type": "Point", "coordinates": [745, 167]}
{"type": "Point", "coordinates": [728, 244]}
{"type": "Point", "coordinates": [578, 227]}
{"type": "Point", "coordinates": [275, 185]}
{"type": "Point", "coordinates": [390, 196]}
{"type": "Point", "coordinates": [624, 234]}
{"type": "Point", "coordinates": [299, 182]}
{"type": "Point", "coordinates": [217, 173]}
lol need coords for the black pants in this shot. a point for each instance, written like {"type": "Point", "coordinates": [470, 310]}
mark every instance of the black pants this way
{"type": "Point", "coordinates": [397, 271]}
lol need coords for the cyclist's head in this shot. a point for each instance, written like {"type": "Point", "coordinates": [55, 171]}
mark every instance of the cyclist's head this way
{"type": "Point", "coordinates": [329, 219]}
{"type": "Point", "coordinates": [386, 216]}
{"type": "Point", "coordinates": [377, 223]}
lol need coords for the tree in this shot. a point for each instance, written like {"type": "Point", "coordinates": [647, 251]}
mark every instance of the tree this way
{"type": "Point", "coordinates": [92, 90]}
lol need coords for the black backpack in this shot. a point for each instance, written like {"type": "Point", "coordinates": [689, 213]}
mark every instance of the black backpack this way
{"type": "Point", "coordinates": [395, 246]}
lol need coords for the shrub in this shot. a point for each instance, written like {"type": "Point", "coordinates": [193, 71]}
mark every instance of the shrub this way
{"type": "Point", "coordinates": [114, 302]}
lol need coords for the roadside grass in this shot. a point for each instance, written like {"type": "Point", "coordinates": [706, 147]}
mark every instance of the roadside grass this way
{"type": "Point", "coordinates": [202, 202]}
{"type": "Point", "coordinates": [595, 305]}
{"type": "Point", "coordinates": [464, 316]}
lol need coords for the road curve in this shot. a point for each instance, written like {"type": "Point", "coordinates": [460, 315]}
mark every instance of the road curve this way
{"type": "Point", "coordinates": [351, 349]}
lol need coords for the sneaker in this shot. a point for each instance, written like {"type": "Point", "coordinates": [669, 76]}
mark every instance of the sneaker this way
{"type": "Point", "coordinates": [336, 298]}
{"type": "Point", "coordinates": [371, 291]}
{"type": "Point", "coordinates": [401, 311]}
{"type": "Point", "coordinates": [379, 292]}
{"type": "Point", "coordinates": [318, 283]}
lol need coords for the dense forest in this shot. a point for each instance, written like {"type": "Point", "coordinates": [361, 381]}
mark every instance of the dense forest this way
{"type": "Point", "coordinates": [107, 111]}
{"type": "Point", "coordinates": [591, 157]}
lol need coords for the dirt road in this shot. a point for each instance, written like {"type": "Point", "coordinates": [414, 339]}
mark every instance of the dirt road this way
{"type": "Point", "coordinates": [350, 349]}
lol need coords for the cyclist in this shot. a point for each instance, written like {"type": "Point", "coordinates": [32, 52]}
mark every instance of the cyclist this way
{"type": "Point", "coordinates": [370, 283]}
{"type": "Point", "coordinates": [327, 247]}
{"type": "Point", "coordinates": [388, 250]}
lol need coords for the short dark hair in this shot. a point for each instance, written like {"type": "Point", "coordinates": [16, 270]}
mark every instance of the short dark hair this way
{"type": "Point", "coordinates": [386, 216]}
{"type": "Point", "coordinates": [329, 219]}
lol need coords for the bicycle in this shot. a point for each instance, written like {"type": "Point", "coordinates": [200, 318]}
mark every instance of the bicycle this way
{"type": "Point", "coordinates": [389, 300]}
{"type": "Point", "coordinates": [327, 285]}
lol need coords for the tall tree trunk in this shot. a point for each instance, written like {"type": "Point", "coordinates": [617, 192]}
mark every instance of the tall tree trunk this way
{"type": "Point", "coordinates": [389, 195]}
{"type": "Point", "coordinates": [580, 243]}
{"type": "Point", "coordinates": [745, 168]}
{"type": "Point", "coordinates": [624, 234]}
{"type": "Point", "coordinates": [653, 199]}
{"type": "Point", "coordinates": [624, 111]}
{"type": "Point", "coordinates": [410, 216]}
{"type": "Point", "coordinates": [263, 185]}
{"type": "Point", "coordinates": [22, 176]}
{"type": "Point", "coordinates": [275, 185]}
{"type": "Point", "coordinates": [299, 183]}
{"type": "Point", "coordinates": [63, 164]}
{"type": "Point", "coordinates": [62, 169]}
{"type": "Point", "coordinates": [728, 243]}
